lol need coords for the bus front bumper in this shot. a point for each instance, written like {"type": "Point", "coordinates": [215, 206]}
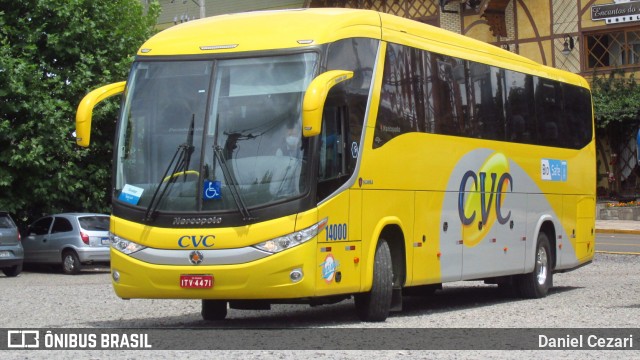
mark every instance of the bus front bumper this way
{"type": "Point", "coordinates": [267, 278]}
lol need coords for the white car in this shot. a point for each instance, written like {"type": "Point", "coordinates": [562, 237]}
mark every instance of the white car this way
{"type": "Point", "coordinates": [69, 239]}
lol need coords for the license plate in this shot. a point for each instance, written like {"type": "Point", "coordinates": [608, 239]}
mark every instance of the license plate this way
{"type": "Point", "coordinates": [105, 241]}
{"type": "Point", "coordinates": [196, 281]}
{"type": "Point", "coordinates": [4, 254]}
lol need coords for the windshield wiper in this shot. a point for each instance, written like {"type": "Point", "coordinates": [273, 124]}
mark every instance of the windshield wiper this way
{"type": "Point", "coordinates": [183, 154]}
{"type": "Point", "coordinates": [233, 185]}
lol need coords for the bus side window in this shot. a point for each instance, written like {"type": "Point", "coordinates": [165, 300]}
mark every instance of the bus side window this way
{"type": "Point", "coordinates": [332, 165]}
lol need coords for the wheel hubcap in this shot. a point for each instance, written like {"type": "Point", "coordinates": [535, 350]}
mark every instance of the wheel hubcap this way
{"type": "Point", "coordinates": [68, 263]}
{"type": "Point", "coordinates": [542, 264]}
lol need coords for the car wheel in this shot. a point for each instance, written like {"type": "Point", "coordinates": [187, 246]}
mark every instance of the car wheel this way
{"type": "Point", "coordinates": [70, 263]}
{"type": "Point", "coordinates": [12, 271]}
{"type": "Point", "coordinates": [213, 310]}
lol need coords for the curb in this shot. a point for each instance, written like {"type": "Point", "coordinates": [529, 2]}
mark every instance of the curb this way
{"type": "Point", "coordinates": [618, 231]}
{"type": "Point", "coordinates": [617, 252]}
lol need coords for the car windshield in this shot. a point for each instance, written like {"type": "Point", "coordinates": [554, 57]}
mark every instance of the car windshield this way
{"type": "Point", "coordinates": [214, 135]}
{"type": "Point", "coordinates": [94, 223]}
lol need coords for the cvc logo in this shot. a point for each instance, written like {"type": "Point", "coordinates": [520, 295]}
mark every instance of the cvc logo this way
{"type": "Point", "coordinates": [481, 197]}
{"type": "Point", "coordinates": [196, 241]}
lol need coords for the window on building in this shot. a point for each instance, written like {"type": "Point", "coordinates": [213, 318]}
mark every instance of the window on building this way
{"type": "Point", "coordinates": [616, 49]}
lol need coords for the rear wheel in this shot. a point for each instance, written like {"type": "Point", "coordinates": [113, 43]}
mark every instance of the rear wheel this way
{"type": "Point", "coordinates": [12, 271]}
{"type": "Point", "coordinates": [375, 305]}
{"type": "Point", "coordinates": [213, 310]}
{"type": "Point", "coordinates": [537, 283]}
{"type": "Point", "coordinates": [71, 263]}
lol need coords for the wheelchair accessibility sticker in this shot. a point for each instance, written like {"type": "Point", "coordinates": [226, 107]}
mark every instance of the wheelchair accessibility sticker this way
{"type": "Point", "coordinates": [211, 190]}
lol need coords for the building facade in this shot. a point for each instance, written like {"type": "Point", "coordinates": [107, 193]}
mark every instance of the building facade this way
{"type": "Point", "coordinates": [581, 36]}
{"type": "Point", "coordinates": [178, 11]}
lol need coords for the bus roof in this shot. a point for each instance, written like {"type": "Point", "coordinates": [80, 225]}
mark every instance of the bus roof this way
{"type": "Point", "coordinates": [286, 29]}
{"type": "Point", "coordinates": [263, 30]}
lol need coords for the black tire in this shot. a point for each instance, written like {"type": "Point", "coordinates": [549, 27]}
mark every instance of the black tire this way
{"type": "Point", "coordinates": [12, 271]}
{"type": "Point", "coordinates": [214, 310]}
{"type": "Point", "coordinates": [71, 263]}
{"type": "Point", "coordinates": [375, 305]}
{"type": "Point", "coordinates": [537, 283]}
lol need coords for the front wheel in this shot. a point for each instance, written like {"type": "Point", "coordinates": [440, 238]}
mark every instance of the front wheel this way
{"type": "Point", "coordinates": [375, 305]}
{"type": "Point", "coordinates": [71, 263]}
{"type": "Point", "coordinates": [213, 310]}
{"type": "Point", "coordinates": [537, 283]}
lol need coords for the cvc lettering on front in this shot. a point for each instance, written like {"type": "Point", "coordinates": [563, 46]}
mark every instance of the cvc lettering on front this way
{"type": "Point", "coordinates": [196, 241]}
{"type": "Point", "coordinates": [479, 184]}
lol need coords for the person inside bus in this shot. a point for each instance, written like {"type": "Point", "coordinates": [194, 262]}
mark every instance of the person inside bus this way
{"type": "Point", "coordinates": [286, 174]}
{"type": "Point", "coordinates": [291, 144]}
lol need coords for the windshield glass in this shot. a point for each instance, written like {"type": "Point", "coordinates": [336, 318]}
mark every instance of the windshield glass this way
{"type": "Point", "coordinates": [214, 134]}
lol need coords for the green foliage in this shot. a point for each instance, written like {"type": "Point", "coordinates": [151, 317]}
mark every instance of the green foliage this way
{"type": "Point", "coordinates": [52, 52]}
{"type": "Point", "coordinates": [616, 99]}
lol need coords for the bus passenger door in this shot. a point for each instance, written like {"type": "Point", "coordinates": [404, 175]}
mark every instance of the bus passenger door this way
{"type": "Point", "coordinates": [339, 245]}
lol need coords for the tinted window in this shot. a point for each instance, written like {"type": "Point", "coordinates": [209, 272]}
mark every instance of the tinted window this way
{"type": "Point", "coordinates": [94, 223]}
{"type": "Point", "coordinates": [344, 114]}
{"type": "Point", "coordinates": [520, 109]}
{"type": "Point", "coordinates": [430, 92]}
{"type": "Point", "coordinates": [549, 112]}
{"type": "Point", "coordinates": [401, 89]}
{"type": "Point", "coordinates": [486, 110]}
{"type": "Point", "coordinates": [41, 227]}
{"type": "Point", "coordinates": [577, 116]}
{"type": "Point", "coordinates": [61, 225]}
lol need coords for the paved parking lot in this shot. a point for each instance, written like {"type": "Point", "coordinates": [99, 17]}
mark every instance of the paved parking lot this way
{"type": "Point", "coordinates": [602, 295]}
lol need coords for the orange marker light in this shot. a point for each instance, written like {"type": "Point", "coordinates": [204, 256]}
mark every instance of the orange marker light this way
{"type": "Point", "coordinates": [356, 260]}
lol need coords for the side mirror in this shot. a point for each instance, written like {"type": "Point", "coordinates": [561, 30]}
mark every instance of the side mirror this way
{"type": "Point", "coordinates": [85, 110]}
{"type": "Point", "coordinates": [315, 97]}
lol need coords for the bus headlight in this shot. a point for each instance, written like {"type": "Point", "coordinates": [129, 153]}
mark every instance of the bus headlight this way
{"type": "Point", "coordinates": [123, 245]}
{"type": "Point", "coordinates": [294, 239]}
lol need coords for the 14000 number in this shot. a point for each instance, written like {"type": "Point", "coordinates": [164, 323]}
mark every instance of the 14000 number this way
{"type": "Point", "coordinates": [336, 232]}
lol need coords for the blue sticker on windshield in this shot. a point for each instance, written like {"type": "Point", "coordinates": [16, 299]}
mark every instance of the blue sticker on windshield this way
{"type": "Point", "coordinates": [131, 194]}
{"type": "Point", "coordinates": [211, 190]}
{"type": "Point", "coordinates": [554, 170]}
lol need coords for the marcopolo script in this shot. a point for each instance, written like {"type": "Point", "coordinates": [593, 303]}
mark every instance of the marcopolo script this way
{"type": "Point", "coordinates": [601, 12]}
{"type": "Point", "coordinates": [197, 220]}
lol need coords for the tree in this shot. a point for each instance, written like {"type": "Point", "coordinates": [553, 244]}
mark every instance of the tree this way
{"type": "Point", "coordinates": [52, 52]}
{"type": "Point", "coordinates": [616, 101]}
{"type": "Point", "coordinates": [616, 98]}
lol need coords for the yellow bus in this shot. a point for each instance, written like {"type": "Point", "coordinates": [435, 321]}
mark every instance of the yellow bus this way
{"type": "Point", "coordinates": [310, 156]}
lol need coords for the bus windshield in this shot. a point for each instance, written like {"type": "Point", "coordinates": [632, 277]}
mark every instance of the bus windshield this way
{"type": "Point", "coordinates": [214, 135]}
